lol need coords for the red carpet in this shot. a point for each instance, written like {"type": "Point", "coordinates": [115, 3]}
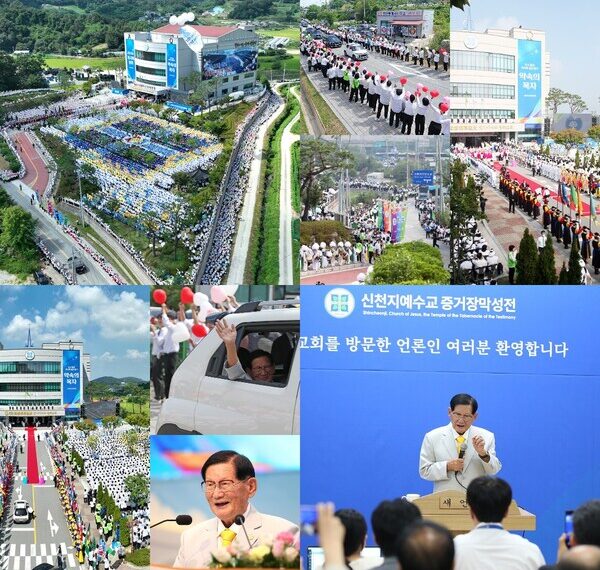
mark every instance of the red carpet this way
{"type": "Point", "coordinates": [33, 476]}
{"type": "Point", "coordinates": [553, 193]}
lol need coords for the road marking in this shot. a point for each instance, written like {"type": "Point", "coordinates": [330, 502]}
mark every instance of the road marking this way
{"type": "Point", "coordinates": [34, 525]}
{"type": "Point", "coordinates": [22, 549]}
{"type": "Point", "coordinates": [42, 549]}
{"type": "Point", "coordinates": [21, 530]}
{"type": "Point", "coordinates": [53, 525]}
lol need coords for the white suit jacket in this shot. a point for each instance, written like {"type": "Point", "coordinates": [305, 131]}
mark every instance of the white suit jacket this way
{"type": "Point", "coordinates": [199, 541]}
{"type": "Point", "coordinates": [439, 447]}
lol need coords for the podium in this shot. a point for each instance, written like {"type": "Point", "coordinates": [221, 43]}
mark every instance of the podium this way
{"type": "Point", "coordinates": [450, 509]}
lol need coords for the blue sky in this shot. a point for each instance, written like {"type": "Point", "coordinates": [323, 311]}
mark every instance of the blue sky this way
{"type": "Point", "coordinates": [112, 322]}
{"type": "Point", "coordinates": [571, 37]}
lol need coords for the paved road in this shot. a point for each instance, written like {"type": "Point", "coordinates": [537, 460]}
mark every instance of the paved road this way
{"type": "Point", "coordinates": [27, 545]}
{"type": "Point", "coordinates": [37, 172]}
{"type": "Point", "coordinates": [244, 230]}
{"type": "Point", "coordinates": [358, 119]}
{"type": "Point", "coordinates": [59, 243]}
{"type": "Point", "coordinates": [286, 253]}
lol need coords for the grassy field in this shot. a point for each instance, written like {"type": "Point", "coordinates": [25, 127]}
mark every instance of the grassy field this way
{"type": "Point", "coordinates": [331, 124]}
{"type": "Point", "coordinates": [78, 62]}
{"type": "Point", "coordinates": [292, 33]}
{"type": "Point", "coordinates": [135, 408]}
{"type": "Point", "coordinates": [267, 62]}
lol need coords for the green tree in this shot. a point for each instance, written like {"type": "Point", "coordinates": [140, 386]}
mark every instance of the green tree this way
{"type": "Point", "coordinates": [411, 263]}
{"type": "Point", "coordinates": [576, 103]}
{"type": "Point", "coordinates": [18, 231]}
{"type": "Point", "coordinates": [131, 440]}
{"type": "Point", "coordinates": [111, 422]}
{"type": "Point", "coordinates": [86, 426]}
{"type": "Point", "coordinates": [64, 79]}
{"type": "Point", "coordinates": [464, 207]}
{"type": "Point", "coordinates": [555, 98]}
{"type": "Point", "coordinates": [460, 4]}
{"type": "Point", "coordinates": [526, 260]}
{"type": "Point", "coordinates": [139, 489]}
{"type": "Point", "coordinates": [594, 133]}
{"type": "Point", "coordinates": [574, 273]}
{"type": "Point", "coordinates": [568, 137]}
{"type": "Point", "coordinates": [319, 158]}
{"type": "Point", "coordinates": [563, 277]}
{"type": "Point", "coordinates": [546, 267]}
{"type": "Point", "coordinates": [577, 159]}
{"type": "Point", "coordinates": [93, 440]}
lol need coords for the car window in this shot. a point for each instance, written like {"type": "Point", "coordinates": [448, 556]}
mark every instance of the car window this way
{"type": "Point", "coordinates": [279, 339]}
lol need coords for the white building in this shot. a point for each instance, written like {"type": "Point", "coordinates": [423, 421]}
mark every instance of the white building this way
{"type": "Point", "coordinates": [159, 62]}
{"type": "Point", "coordinates": [43, 384]}
{"type": "Point", "coordinates": [499, 83]}
{"type": "Point", "coordinates": [405, 23]}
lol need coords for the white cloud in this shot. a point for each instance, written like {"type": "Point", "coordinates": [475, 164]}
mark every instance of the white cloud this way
{"type": "Point", "coordinates": [107, 357]}
{"type": "Point", "coordinates": [134, 354]}
{"type": "Point", "coordinates": [124, 315]}
{"type": "Point", "coordinates": [17, 330]}
{"type": "Point", "coordinates": [506, 23]}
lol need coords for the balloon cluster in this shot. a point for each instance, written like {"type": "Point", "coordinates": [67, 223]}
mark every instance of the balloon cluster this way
{"type": "Point", "coordinates": [218, 294]}
{"type": "Point", "coordinates": [182, 19]}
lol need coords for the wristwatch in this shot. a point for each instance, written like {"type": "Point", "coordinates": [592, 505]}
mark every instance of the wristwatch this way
{"type": "Point", "coordinates": [484, 456]}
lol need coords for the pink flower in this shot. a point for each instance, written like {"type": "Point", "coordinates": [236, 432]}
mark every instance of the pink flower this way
{"type": "Point", "coordinates": [286, 537]}
{"type": "Point", "coordinates": [278, 548]}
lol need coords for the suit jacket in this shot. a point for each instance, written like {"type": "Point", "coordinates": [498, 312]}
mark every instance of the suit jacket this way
{"type": "Point", "coordinates": [199, 541]}
{"type": "Point", "coordinates": [439, 447]}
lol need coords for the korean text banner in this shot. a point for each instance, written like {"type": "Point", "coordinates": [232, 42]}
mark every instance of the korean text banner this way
{"type": "Point", "coordinates": [172, 65]}
{"type": "Point", "coordinates": [130, 57]}
{"type": "Point", "coordinates": [71, 371]}
{"type": "Point", "coordinates": [450, 329]}
{"type": "Point", "coordinates": [227, 62]}
{"type": "Point", "coordinates": [530, 81]}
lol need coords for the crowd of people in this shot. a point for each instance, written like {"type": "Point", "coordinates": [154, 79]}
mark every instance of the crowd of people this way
{"type": "Point", "coordinates": [111, 461]}
{"type": "Point", "coordinates": [75, 105]}
{"type": "Point", "coordinates": [233, 190]}
{"type": "Point", "coordinates": [385, 94]}
{"type": "Point", "coordinates": [410, 542]}
{"type": "Point", "coordinates": [5, 174]}
{"type": "Point", "coordinates": [8, 457]}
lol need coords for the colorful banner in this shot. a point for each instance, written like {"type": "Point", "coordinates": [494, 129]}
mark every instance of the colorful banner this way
{"type": "Point", "coordinates": [380, 215]}
{"type": "Point", "coordinates": [395, 216]}
{"type": "Point", "coordinates": [71, 372]}
{"type": "Point", "coordinates": [130, 58]}
{"type": "Point", "coordinates": [172, 65]}
{"type": "Point", "coordinates": [387, 222]}
{"type": "Point", "coordinates": [224, 63]}
{"type": "Point", "coordinates": [530, 81]}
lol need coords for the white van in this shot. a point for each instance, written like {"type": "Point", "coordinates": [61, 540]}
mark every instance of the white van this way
{"type": "Point", "coordinates": [203, 400]}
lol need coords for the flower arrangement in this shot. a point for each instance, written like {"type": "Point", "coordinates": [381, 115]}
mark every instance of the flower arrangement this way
{"type": "Point", "coordinates": [281, 552]}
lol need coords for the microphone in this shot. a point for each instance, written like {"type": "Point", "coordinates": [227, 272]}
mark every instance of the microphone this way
{"type": "Point", "coordinates": [183, 520]}
{"type": "Point", "coordinates": [240, 520]}
{"type": "Point", "coordinates": [461, 454]}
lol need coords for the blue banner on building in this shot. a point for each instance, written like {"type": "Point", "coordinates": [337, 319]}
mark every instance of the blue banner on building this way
{"type": "Point", "coordinates": [71, 372]}
{"type": "Point", "coordinates": [180, 107]}
{"type": "Point", "coordinates": [227, 62]}
{"type": "Point", "coordinates": [530, 81]}
{"type": "Point", "coordinates": [172, 65]}
{"type": "Point", "coordinates": [422, 177]}
{"type": "Point", "coordinates": [130, 58]}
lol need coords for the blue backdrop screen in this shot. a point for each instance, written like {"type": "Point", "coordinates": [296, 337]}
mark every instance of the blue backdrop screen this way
{"type": "Point", "coordinates": [380, 364]}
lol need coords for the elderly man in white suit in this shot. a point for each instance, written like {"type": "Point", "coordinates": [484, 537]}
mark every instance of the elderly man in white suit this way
{"type": "Point", "coordinates": [455, 454]}
{"type": "Point", "coordinates": [229, 483]}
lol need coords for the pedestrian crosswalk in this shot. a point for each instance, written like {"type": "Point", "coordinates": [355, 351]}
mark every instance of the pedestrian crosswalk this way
{"type": "Point", "coordinates": [28, 556]}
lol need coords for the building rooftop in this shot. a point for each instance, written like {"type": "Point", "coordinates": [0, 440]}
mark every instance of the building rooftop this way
{"type": "Point", "coordinates": [206, 31]}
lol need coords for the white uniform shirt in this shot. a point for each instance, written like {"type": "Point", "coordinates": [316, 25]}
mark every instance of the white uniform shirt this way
{"type": "Point", "coordinates": [491, 548]}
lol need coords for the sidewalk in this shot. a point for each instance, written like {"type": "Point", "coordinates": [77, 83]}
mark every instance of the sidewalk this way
{"type": "Point", "coordinates": [507, 229]}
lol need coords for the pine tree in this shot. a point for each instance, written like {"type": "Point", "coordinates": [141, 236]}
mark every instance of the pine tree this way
{"type": "Point", "coordinates": [574, 272]}
{"type": "Point", "coordinates": [577, 159]}
{"type": "Point", "coordinates": [563, 277]}
{"type": "Point", "coordinates": [526, 271]}
{"type": "Point", "coordinates": [546, 267]}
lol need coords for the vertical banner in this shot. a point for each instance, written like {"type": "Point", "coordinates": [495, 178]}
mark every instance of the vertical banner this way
{"type": "Point", "coordinates": [395, 215]}
{"type": "Point", "coordinates": [387, 223]}
{"type": "Point", "coordinates": [130, 58]}
{"type": "Point", "coordinates": [530, 81]}
{"type": "Point", "coordinates": [380, 215]}
{"type": "Point", "coordinates": [172, 65]}
{"type": "Point", "coordinates": [71, 372]}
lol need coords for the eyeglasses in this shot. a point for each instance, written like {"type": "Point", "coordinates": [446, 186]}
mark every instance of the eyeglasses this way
{"type": "Point", "coordinates": [466, 417]}
{"type": "Point", "coordinates": [209, 487]}
{"type": "Point", "coordinates": [262, 368]}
